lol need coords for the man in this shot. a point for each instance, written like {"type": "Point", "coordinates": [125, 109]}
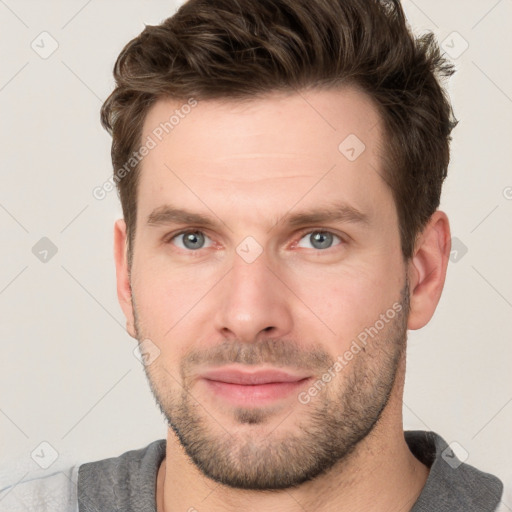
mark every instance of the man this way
{"type": "Point", "coordinates": [279, 165]}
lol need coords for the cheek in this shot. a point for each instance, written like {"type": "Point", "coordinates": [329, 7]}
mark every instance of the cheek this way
{"type": "Point", "coordinates": [348, 299]}
{"type": "Point", "coordinates": [166, 296]}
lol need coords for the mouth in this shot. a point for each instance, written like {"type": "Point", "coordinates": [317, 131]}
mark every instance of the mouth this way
{"type": "Point", "coordinates": [253, 388]}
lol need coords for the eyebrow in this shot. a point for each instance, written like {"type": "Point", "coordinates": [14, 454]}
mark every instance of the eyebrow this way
{"type": "Point", "coordinates": [337, 212]}
{"type": "Point", "coordinates": [168, 214]}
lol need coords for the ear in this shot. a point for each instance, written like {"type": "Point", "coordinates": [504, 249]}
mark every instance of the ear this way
{"type": "Point", "coordinates": [124, 291]}
{"type": "Point", "coordinates": [427, 269]}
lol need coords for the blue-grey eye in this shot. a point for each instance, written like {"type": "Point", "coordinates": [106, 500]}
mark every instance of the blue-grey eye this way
{"type": "Point", "coordinates": [191, 240]}
{"type": "Point", "coordinates": [319, 239]}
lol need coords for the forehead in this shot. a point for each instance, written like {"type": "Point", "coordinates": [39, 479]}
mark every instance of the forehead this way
{"type": "Point", "coordinates": [286, 119]}
{"type": "Point", "coordinates": [324, 141]}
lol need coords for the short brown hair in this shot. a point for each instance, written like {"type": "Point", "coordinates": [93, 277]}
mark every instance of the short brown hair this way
{"type": "Point", "coordinates": [242, 49]}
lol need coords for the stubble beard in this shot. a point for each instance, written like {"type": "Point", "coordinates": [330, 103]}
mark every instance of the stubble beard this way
{"type": "Point", "coordinates": [257, 454]}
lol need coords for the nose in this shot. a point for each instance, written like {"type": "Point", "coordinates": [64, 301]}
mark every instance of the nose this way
{"type": "Point", "coordinates": [253, 302]}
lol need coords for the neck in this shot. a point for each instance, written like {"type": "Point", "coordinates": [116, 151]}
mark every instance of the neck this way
{"type": "Point", "coordinates": [381, 474]}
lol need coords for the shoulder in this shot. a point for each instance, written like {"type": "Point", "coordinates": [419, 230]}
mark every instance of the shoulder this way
{"type": "Point", "coordinates": [47, 493]}
{"type": "Point", "coordinates": [113, 484]}
{"type": "Point", "coordinates": [127, 465]}
{"type": "Point", "coordinates": [452, 484]}
{"type": "Point", "coordinates": [126, 482]}
{"type": "Point", "coordinates": [505, 504]}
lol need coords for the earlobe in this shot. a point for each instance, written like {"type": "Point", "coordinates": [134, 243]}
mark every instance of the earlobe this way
{"type": "Point", "coordinates": [124, 292]}
{"type": "Point", "coordinates": [427, 270]}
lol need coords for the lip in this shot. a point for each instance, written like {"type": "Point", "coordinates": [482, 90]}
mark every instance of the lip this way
{"type": "Point", "coordinates": [256, 387]}
{"type": "Point", "coordinates": [251, 378]}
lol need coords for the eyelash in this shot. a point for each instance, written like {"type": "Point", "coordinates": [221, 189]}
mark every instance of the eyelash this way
{"type": "Point", "coordinates": [168, 239]}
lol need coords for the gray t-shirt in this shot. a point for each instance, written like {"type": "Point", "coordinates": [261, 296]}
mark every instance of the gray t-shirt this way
{"type": "Point", "coordinates": [127, 483]}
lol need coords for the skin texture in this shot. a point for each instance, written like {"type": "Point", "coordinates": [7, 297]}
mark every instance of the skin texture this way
{"type": "Point", "coordinates": [278, 300]}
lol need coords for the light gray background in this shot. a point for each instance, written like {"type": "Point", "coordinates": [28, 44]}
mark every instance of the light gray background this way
{"type": "Point", "coordinates": [69, 376]}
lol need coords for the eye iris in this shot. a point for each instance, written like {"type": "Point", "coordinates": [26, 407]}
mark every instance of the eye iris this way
{"type": "Point", "coordinates": [193, 240]}
{"type": "Point", "coordinates": [321, 240]}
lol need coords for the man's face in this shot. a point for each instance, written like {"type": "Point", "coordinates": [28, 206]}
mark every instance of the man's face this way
{"type": "Point", "coordinates": [251, 305]}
